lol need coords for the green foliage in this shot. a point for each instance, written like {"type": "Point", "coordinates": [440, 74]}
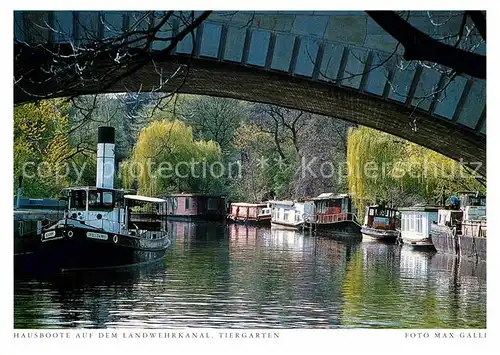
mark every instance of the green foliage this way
{"type": "Point", "coordinates": [167, 159]}
{"type": "Point", "coordinates": [213, 118]}
{"type": "Point", "coordinates": [41, 145]}
{"type": "Point", "coordinates": [264, 147]}
{"type": "Point", "coordinates": [385, 168]}
{"type": "Point", "coordinates": [264, 172]}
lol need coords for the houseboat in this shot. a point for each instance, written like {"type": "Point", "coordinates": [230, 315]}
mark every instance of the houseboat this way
{"type": "Point", "coordinates": [461, 227]}
{"type": "Point", "coordinates": [290, 214]}
{"type": "Point", "coordinates": [191, 206]}
{"type": "Point", "coordinates": [103, 226]}
{"type": "Point", "coordinates": [416, 225]}
{"type": "Point", "coordinates": [380, 223]}
{"type": "Point", "coordinates": [252, 213]}
{"type": "Point", "coordinates": [334, 213]}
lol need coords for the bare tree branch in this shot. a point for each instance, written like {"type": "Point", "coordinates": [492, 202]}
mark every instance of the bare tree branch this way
{"type": "Point", "coordinates": [479, 20]}
{"type": "Point", "coordinates": [420, 46]}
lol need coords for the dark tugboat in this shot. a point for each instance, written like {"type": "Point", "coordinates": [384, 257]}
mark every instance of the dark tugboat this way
{"type": "Point", "coordinates": [103, 226]}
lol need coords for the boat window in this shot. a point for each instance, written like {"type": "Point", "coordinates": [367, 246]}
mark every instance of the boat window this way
{"type": "Point", "coordinates": [101, 199]}
{"type": "Point", "coordinates": [212, 204]}
{"type": "Point", "coordinates": [419, 225]}
{"type": "Point", "coordinates": [78, 199]}
{"type": "Point", "coordinates": [187, 203]}
{"type": "Point", "coordinates": [107, 199]}
{"type": "Point", "coordinates": [174, 203]}
{"type": "Point", "coordinates": [412, 222]}
{"type": "Point", "coordinates": [371, 212]}
{"type": "Point", "coordinates": [94, 199]}
{"type": "Point", "coordinates": [285, 216]}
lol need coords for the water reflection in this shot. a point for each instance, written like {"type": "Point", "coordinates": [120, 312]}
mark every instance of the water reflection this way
{"type": "Point", "coordinates": [237, 276]}
{"type": "Point", "coordinates": [399, 287]}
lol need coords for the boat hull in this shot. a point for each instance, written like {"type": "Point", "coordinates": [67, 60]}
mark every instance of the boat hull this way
{"type": "Point", "coordinates": [345, 231]}
{"type": "Point", "coordinates": [379, 234]}
{"type": "Point", "coordinates": [343, 226]}
{"type": "Point", "coordinates": [443, 240]}
{"type": "Point", "coordinates": [66, 247]}
{"type": "Point", "coordinates": [461, 245]}
{"type": "Point", "coordinates": [251, 221]}
{"type": "Point", "coordinates": [282, 225]}
{"type": "Point", "coordinates": [421, 244]}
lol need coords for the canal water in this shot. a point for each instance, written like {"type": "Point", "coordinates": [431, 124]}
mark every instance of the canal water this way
{"type": "Point", "coordinates": [235, 276]}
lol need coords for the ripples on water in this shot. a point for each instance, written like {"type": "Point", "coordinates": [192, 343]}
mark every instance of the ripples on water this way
{"type": "Point", "coordinates": [246, 277]}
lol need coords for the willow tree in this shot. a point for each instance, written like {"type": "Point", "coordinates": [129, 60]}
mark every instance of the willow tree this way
{"type": "Point", "coordinates": [167, 159]}
{"type": "Point", "coordinates": [384, 168]}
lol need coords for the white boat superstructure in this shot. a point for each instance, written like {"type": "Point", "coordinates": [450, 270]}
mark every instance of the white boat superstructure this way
{"type": "Point", "coordinates": [291, 214]}
{"type": "Point", "coordinates": [416, 225]}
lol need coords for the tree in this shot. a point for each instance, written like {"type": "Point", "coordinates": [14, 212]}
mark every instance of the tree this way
{"type": "Point", "coordinates": [282, 123]}
{"type": "Point", "coordinates": [214, 118]}
{"type": "Point", "coordinates": [384, 168]}
{"type": "Point", "coordinates": [258, 158]}
{"type": "Point", "coordinates": [41, 146]}
{"type": "Point", "coordinates": [324, 150]}
{"type": "Point", "coordinates": [88, 112]}
{"type": "Point", "coordinates": [168, 159]}
{"type": "Point", "coordinates": [284, 151]}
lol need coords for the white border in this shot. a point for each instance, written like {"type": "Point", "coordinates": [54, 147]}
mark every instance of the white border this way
{"type": "Point", "coordinates": [300, 341]}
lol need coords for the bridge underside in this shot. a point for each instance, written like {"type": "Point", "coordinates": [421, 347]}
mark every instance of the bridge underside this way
{"type": "Point", "coordinates": [225, 79]}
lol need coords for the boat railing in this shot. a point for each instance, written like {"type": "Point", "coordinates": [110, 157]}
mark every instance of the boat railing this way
{"type": "Point", "coordinates": [336, 218]}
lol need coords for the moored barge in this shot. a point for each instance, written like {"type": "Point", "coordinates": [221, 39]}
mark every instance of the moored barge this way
{"type": "Point", "coordinates": [334, 214]}
{"type": "Point", "coordinates": [290, 214]}
{"type": "Point", "coordinates": [250, 213]}
{"type": "Point", "coordinates": [461, 228]}
{"type": "Point", "coordinates": [380, 224]}
{"type": "Point", "coordinates": [195, 206]}
{"type": "Point", "coordinates": [416, 226]}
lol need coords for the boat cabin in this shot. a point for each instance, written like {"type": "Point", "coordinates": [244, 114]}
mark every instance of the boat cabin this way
{"type": "Point", "coordinates": [468, 216]}
{"type": "Point", "coordinates": [291, 213]}
{"type": "Point", "coordinates": [449, 218]}
{"type": "Point", "coordinates": [97, 207]}
{"type": "Point", "coordinates": [242, 211]}
{"type": "Point", "coordinates": [473, 205]}
{"type": "Point", "coordinates": [380, 217]}
{"type": "Point", "coordinates": [187, 206]}
{"type": "Point", "coordinates": [416, 223]}
{"type": "Point", "coordinates": [112, 210]}
{"type": "Point", "coordinates": [332, 208]}
{"type": "Point", "coordinates": [145, 213]}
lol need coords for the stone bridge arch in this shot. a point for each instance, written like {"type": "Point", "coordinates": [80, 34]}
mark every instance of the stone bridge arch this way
{"type": "Point", "coordinates": [338, 63]}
